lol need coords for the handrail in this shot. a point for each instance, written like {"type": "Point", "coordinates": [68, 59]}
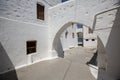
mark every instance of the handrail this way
{"type": "Point", "coordinates": [95, 17]}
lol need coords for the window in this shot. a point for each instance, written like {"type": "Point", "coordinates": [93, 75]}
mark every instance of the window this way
{"type": "Point", "coordinates": [31, 46]}
{"type": "Point", "coordinates": [90, 30]}
{"type": "Point", "coordinates": [93, 39]}
{"type": "Point", "coordinates": [66, 33]}
{"type": "Point", "coordinates": [87, 39]}
{"type": "Point", "coordinates": [40, 11]}
{"type": "Point", "coordinates": [73, 35]}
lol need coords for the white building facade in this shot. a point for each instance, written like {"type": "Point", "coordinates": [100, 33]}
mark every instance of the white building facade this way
{"type": "Point", "coordinates": [19, 26]}
{"type": "Point", "coordinates": [69, 37]}
{"type": "Point", "coordinates": [29, 34]}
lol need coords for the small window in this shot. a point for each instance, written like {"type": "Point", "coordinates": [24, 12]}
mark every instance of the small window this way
{"type": "Point", "coordinates": [73, 35]}
{"type": "Point", "coordinates": [87, 39]}
{"type": "Point", "coordinates": [40, 11]}
{"type": "Point", "coordinates": [90, 30]}
{"type": "Point", "coordinates": [93, 39]}
{"type": "Point", "coordinates": [31, 47]}
{"type": "Point", "coordinates": [66, 33]}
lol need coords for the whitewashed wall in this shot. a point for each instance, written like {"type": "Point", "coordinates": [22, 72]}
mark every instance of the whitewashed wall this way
{"type": "Point", "coordinates": [75, 11]}
{"type": "Point", "coordinates": [13, 37]}
{"type": "Point", "coordinates": [79, 30]}
{"type": "Point", "coordinates": [69, 42]}
{"type": "Point", "coordinates": [89, 36]}
{"type": "Point", "coordinates": [92, 41]}
{"type": "Point", "coordinates": [24, 10]}
{"type": "Point", "coordinates": [18, 24]}
{"type": "Point", "coordinates": [87, 9]}
{"type": "Point", "coordinates": [83, 11]}
{"type": "Point", "coordinates": [107, 27]}
{"type": "Point", "coordinates": [56, 17]}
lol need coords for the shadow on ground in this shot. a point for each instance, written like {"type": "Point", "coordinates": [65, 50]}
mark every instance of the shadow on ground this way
{"type": "Point", "coordinates": [93, 60]}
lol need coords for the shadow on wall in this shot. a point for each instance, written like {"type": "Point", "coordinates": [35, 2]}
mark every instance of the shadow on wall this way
{"type": "Point", "coordinates": [109, 56]}
{"type": "Point", "coordinates": [5, 65]}
{"type": "Point", "coordinates": [113, 49]}
{"type": "Point", "coordinates": [101, 59]}
{"type": "Point", "coordinates": [58, 46]}
{"type": "Point", "coordinates": [118, 3]}
{"type": "Point", "coordinates": [93, 60]}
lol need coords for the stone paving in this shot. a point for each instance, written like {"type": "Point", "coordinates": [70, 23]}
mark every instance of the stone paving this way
{"type": "Point", "coordinates": [71, 67]}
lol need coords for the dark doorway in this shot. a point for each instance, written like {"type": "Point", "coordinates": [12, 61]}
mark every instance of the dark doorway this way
{"type": "Point", "coordinates": [80, 38]}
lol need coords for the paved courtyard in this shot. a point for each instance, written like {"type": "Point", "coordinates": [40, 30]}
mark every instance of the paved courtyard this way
{"type": "Point", "coordinates": [71, 67]}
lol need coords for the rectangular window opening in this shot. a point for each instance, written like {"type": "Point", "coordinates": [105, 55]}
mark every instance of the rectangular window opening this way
{"type": "Point", "coordinates": [40, 11]}
{"type": "Point", "coordinates": [31, 46]}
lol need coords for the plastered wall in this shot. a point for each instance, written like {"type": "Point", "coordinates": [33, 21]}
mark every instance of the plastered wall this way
{"type": "Point", "coordinates": [13, 37]}
{"type": "Point", "coordinates": [76, 11]}
{"type": "Point", "coordinates": [85, 12]}
{"type": "Point", "coordinates": [24, 10]}
{"type": "Point", "coordinates": [68, 41]}
{"type": "Point", "coordinates": [18, 24]}
{"type": "Point", "coordinates": [14, 30]}
{"type": "Point", "coordinates": [107, 27]}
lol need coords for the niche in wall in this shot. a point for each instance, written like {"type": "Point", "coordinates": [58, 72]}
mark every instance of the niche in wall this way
{"type": "Point", "coordinates": [66, 34]}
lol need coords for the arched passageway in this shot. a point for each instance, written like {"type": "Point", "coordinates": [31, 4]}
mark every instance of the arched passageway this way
{"type": "Point", "coordinates": [108, 48]}
{"type": "Point", "coordinates": [57, 44]}
{"type": "Point", "coordinates": [108, 43]}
